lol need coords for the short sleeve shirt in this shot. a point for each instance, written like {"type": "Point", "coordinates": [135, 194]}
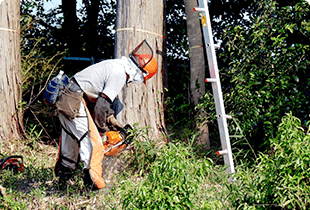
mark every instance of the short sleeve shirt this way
{"type": "Point", "coordinates": [106, 77]}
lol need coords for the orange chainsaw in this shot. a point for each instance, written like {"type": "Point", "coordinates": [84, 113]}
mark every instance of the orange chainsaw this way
{"type": "Point", "coordinates": [117, 141]}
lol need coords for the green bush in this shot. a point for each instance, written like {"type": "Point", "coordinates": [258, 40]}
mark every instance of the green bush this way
{"type": "Point", "coordinates": [176, 180]}
{"type": "Point", "coordinates": [264, 69]}
{"type": "Point", "coordinates": [281, 178]}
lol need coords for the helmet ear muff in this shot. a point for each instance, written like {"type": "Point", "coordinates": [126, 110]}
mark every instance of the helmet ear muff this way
{"type": "Point", "coordinates": [151, 69]}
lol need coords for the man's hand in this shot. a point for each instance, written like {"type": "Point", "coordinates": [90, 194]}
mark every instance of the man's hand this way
{"type": "Point", "coordinates": [114, 122]}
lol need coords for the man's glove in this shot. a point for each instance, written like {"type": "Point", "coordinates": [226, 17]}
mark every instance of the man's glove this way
{"type": "Point", "coordinates": [102, 111]}
{"type": "Point", "coordinates": [113, 123]}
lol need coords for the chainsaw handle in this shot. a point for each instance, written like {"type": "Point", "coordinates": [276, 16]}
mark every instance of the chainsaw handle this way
{"type": "Point", "coordinates": [12, 156]}
{"type": "Point", "coordinates": [125, 132]}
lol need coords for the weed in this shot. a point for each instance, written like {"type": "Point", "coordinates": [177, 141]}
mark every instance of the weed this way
{"type": "Point", "coordinates": [144, 150]}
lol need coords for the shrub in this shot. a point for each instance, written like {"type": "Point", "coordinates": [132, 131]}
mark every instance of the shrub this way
{"type": "Point", "coordinates": [264, 69]}
{"type": "Point", "coordinates": [281, 177]}
{"type": "Point", "coordinates": [176, 180]}
{"type": "Point", "coordinates": [38, 66]}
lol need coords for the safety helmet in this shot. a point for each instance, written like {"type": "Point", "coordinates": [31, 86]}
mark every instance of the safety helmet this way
{"type": "Point", "coordinates": [142, 56]}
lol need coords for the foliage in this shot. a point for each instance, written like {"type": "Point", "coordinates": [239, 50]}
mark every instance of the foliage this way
{"type": "Point", "coordinates": [38, 24]}
{"type": "Point", "coordinates": [222, 13]}
{"type": "Point", "coordinates": [230, 12]}
{"type": "Point", "coordinates": [37, 68]}
{"type": "Point", "coordinates": [178, 113]}
{"type": "Point", "coordinates": [177, 101]}
{"type": "Point", "coordinates": [144, 151]}
{"type": "Point", "coordinates": [50, 25]}
{"type": "Point", "coordinates": [176, 180]}
{"type": "Point", "coordinates": [281, 177]}
{"type": "Point", "coordinates": [265, 69]}
{"type": "Point", "coordinates": [179, 110]}
{"type": "Point", "coordinates": [104, 28]}
{"type": "Point", "coordinates": [177, 43]}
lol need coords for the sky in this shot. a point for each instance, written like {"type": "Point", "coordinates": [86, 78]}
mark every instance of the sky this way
{"type": "Point", "coordinates": [52, 4]}
{"type": "Point", "coordinates": [55, 3]}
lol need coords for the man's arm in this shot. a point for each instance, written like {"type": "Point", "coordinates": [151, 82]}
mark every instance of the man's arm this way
{"type": "Point", "coordinates": [103, 115]}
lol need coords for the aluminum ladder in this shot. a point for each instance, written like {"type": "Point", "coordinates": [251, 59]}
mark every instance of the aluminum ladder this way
{"type": "Point", "coordinates": [216, 86]}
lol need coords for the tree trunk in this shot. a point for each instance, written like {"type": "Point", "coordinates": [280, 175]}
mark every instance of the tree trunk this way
{"type": "Point", "coordinates": [196, 53]}
{"type": "Point", "coordinates": [70, 27]}
{"type": "Point", "coordinates": [91, 33]}
{"type": "Point", "coordinates": [197, 66]}
{"type": "Point", "coordinates": [10, 70]}
{"type": "Point", "coordinates": [136, 21]}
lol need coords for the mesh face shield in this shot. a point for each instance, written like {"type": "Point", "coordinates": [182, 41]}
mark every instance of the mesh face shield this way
{"type": "Point", "coordinates": [142, 55]}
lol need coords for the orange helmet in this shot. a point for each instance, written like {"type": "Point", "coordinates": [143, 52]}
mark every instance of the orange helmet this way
{"type": "Point", "coordinates": [148, 64]}
{"type": "Point", "coordinates": [142, 56]}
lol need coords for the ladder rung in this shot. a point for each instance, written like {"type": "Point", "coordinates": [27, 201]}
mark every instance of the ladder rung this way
{"type": "Point", "coordinates": [210, 80]}
{"type": "Point", "coordinates": [229, 117]}
{"type": "Point", "coordinates": [198, 9]}
{"type": "Point", "coordinates": [217, 46]}
{"type": "Point", "coordinates": [222, 152]}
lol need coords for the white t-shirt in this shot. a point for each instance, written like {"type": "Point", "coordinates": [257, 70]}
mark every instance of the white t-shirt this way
{"type": "Point", "coordinates": [108, 77]}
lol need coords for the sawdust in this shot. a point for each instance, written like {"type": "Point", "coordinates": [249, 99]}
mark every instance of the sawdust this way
{"type": "Point", "coordinates": [113, 166]}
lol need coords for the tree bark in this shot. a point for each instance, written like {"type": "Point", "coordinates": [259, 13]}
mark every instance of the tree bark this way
{"type": "Point", "coordinates": [10, 70]}
{"type": "Point", "coordinates": [136, 21]}
{"type": "Point", "coordinates": [196, 51]}
{"type": "Point", "coordinates": [197, 66]}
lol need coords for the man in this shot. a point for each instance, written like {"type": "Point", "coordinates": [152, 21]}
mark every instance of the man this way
{"type": "Point", "coordinates": [85, 110]}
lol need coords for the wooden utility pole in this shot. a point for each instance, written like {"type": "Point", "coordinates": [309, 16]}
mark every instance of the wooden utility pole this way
{"type": "Point", "coordinates": [136, 21]}
{"type": "Point", "coordinates": [10, 70]}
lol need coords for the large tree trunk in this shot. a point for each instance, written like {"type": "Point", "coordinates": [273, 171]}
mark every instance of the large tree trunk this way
{"type": "Point", "coordinates": [91, 33]}
{"type": "Point", "coordinates": [70, 27]}
{"type": "Point", "coordinates": [10, 70]}
{"type": "Point", "coordinates": [136, 21]}
{"type": "Point", "coordinates": [197, 67]}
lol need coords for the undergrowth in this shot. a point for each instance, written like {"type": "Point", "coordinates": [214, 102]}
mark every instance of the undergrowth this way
{"type": "Point", "coordinates": [168, 176]}
{"type": "Point", "coordinates": [280, 178]}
